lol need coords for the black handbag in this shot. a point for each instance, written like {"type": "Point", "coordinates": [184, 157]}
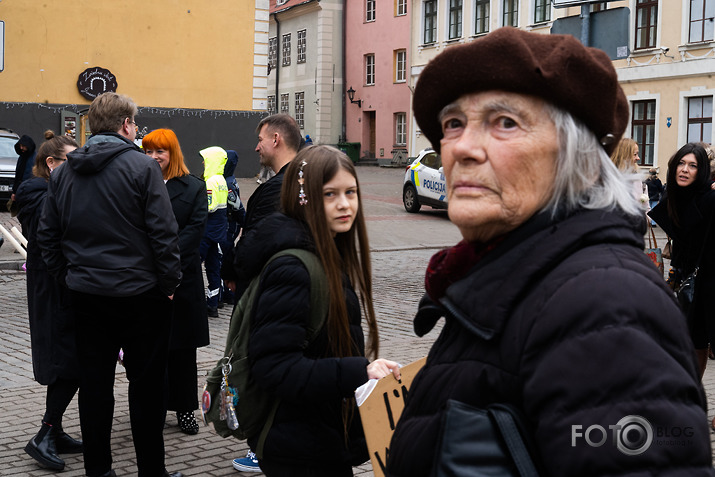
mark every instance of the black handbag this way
{"type": "Point", "coordinates": [483, 442]}
{"type": "Point", "coordinates": [685, 289]}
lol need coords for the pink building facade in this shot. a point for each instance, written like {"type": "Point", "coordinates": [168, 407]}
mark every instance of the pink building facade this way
{"type": "Point", "coordinates": [377, 39]}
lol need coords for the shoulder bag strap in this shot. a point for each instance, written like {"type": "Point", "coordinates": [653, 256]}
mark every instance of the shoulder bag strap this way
{"type": "Point", "coordinates": [514, 440]}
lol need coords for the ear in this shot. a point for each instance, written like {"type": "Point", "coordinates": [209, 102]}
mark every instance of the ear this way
{"type": "Point", "coordinates": [49, 161]}
{"type": "Point", "coordinates": [276, 138]}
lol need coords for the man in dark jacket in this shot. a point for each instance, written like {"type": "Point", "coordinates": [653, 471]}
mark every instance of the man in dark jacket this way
{"type": "Point", "coordinates": [108, 232]}
{"type": "Point", "coordinates": [279, 139]}
{"type": "Point", "coordinates": [25, 149]}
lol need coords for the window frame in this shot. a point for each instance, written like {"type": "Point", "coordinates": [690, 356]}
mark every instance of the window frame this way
{"type": "Point", "coordinates": [285, 103]}
{"type": "Point", "coordinates": [429, 22]}
{"type": "Point", "coordinates": [400, 129]}
{"type": "Point", "coordinates": [512, 14]}
{"type": "Point", "coordinates": [543, 7]}
{"type": "Point", "coordinates": [369, 69]}
{"type": "Point", "coordinates": [370, 7]}
{"type": "Point", "coordinates": [702, 19]}
{"type": "Point", "coordinates": [482, 6]}
{"type": "Point", "coordinates": [455, 19]}
{"type": "Point", "coordinates": [400, 8]}
{"type": "Point", "coordinates": [285, 61]}
{"type": "Point", "coordinates": [301, 50]}
{"type": "Point", "coordinates": [271, 104]}
{"type": "Point", "coordinates": [699, 120]}
{"type": "Point", "coordinates": [400, 58]}
{"type": "Point", "coordinates": [273, 52]}
{"type": "Point", "coordinates": [300, 109]}
{"type": "Point", "coordinates": [646, 149]}
{"type": "Point", "coordinates": [647, 9]}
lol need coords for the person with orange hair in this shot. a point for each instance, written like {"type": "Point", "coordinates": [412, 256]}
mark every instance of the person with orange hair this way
{"type": "Point", "coordinates": [189, 324]}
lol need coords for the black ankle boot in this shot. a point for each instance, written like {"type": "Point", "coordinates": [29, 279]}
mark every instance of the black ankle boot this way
{"type": "Point", "coordinates": [64, 443]}
{"type": "Point", "coordinates": [187, 422]}
{"type": "Point", "coordinates": [42, 449]}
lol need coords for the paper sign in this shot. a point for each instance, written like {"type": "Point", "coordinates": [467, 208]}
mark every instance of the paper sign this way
{"type": "Point", "coordinates": [382, 409]}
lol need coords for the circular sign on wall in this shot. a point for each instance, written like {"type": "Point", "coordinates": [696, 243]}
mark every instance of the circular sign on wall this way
{"type": "Point", "coordinates": [94, 81]}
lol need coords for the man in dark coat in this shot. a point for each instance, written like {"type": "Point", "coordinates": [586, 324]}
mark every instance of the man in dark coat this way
{"type": "Point", "coordinates": [550, 304]}
{"type": "Point", "coordinates": [108, 232]}
{"type": "Point", "coordinates": [25, 149]}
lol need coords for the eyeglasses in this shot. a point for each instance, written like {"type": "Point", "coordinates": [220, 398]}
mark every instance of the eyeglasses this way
{"type": "Point", "coordinates": [131, 121]}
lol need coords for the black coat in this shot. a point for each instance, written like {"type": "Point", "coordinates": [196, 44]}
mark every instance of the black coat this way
{"type": "Point", "coordinates": [189, 324]}
{"type": "Point", "coordinates": [694, 236]}
{"type": "Point", "coordinates": [25, 161]}
{"type": "Point", "coordinates": [570, 322]}
{"type": "Point", "coordinates": [52, 329]}
{"type": "Point", "coordinates": [311, 384]}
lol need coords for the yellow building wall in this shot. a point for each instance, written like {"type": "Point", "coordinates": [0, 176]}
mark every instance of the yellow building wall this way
{"type": "Point", "coordinates": [164, 53]}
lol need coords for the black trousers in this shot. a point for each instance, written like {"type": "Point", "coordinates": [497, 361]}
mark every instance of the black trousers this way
{"type": "Point", "coordinates": [59, 396]}
{"type": "Point", "coordinates": [275, 469]}
{"type": "Point", "coordinates": [140, 326]}
{"type": "Point", "coordinates": [183, 380]}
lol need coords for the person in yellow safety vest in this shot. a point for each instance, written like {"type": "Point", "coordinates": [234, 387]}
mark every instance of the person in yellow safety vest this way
{"type": "Point", "coordinates": [217, 224]}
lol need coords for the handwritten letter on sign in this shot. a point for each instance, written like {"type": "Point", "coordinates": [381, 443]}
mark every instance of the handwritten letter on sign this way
{"type": "Point", "coordinates": [381, 410]}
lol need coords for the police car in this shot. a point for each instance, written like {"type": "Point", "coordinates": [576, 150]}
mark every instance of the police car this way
{"type": "Point", "coordinates": [424, 183]}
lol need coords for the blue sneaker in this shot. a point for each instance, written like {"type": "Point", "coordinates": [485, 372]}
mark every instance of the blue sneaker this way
{"type": "Point", "coordinates": [247, 464]}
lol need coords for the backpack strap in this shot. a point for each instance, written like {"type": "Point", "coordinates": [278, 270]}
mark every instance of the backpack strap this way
{"type": "Point", "coordinates": [316, 320]}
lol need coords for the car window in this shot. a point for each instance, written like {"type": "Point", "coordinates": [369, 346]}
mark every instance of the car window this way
{"type": "Point", "coordinates": [431, 160]}
{"type": "Point", "coordinates": [7, 147]}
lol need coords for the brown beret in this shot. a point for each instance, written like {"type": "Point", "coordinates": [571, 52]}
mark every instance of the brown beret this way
{"type": "Point", "coordinates": [556, 68]}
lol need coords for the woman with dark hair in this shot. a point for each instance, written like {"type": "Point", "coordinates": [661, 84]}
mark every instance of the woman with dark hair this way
{"type": "Point", "coordinates": [321, 213]}
{"type": "Point", "coordinates": [54, 354]}
{"type": "Point", "coordinates": [686, 215]}
{"type": "Point", "coordinates": [189, 323]}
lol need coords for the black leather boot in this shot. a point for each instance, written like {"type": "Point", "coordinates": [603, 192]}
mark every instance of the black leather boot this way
{"type": "Point", "coordinates": [64, 443]}
{"type": "Point", "coordinates": [42, 449]}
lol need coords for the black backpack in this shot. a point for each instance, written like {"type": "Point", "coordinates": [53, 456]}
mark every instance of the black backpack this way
{"type": "Point", "coordinates": [232, 400]}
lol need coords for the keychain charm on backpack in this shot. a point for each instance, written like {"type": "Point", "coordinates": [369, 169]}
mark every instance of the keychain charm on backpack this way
{"type": "Point", "coordinates": [227, 412]}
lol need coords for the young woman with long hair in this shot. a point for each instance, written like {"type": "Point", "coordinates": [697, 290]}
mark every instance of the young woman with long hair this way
{"type": "Point", "coordinates": [54, 352]}
{"type": "Point", "coordinates": [189, 323]}
{"type": "Point", "coordinates": [321, 213]}
{"type": "Point", "coordinates": [686, 214]}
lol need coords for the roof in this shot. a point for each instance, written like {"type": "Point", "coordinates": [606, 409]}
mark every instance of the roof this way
{"type": "Point", "coordinates": [274, 8]}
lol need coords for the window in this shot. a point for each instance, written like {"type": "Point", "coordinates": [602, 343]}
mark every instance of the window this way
{"type": "Point", "coordinates": [510, 15]}
{"type": "Point", "coordinates": [430, 26]}
{"type": "Point", "coordinates": [700, 119]}
{"type": "Point", "coordinates": [301, 46]}
{"type": "Point", "coordinates": [481, 16]}
{"type": "Point", "coordinates": [284, 104]}
{"type": "Point", "coordinates": [271, 105]}
{"type": "Point", "coordinates": [280, 2]}
{"type": "Point", "coordinates": [272, 53]}
{"type": "Point", "coordinates": [369, 69]}
{"type": "Point", "coordinates": [542, 11]}
{"type": "Point", "coordinates": [400, 66]}
{"type": "Point", "coordinates": [300, 109]}
{"type": "Point", "coordinates": [599, 7]}
{"type": "Point", "coordinates": [286, 50]}
{"type": "Point", "coordinates": [400, 129]}
{"type": "Point", "coordinates": [455, 19]}
{"type": "Point", "coordinates": [370, 10]}
{"type": "Point", "coordinates": [646, 23]}
{"type": "Point", "coordinates": [643, 127]}
{"type": "Point", "coordinates": [400, 7]}
{"type": "Point", "coordinates": [701, 20]}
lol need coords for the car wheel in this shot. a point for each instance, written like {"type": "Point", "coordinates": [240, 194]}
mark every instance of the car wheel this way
{"type": "Point", "coordinates": [410, 200]}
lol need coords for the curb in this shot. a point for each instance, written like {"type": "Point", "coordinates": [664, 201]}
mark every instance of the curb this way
{"type": "Point", "coordinates": [12, 265]}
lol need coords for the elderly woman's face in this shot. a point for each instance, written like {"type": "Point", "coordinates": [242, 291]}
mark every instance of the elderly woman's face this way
{"type": "Point", "coordinates": [499, 154]}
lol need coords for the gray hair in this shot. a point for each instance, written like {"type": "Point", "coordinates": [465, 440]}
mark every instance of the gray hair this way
{"type": "Point", "coordinates": [585, 175]}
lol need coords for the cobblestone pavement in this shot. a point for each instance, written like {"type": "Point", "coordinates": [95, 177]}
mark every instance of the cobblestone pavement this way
{"type": "Point", "coordinates": [401, 246]}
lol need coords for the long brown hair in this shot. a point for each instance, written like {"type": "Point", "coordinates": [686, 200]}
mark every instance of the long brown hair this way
{"type": "Point", "coordinates": [348, 252]}
{"type": "Point", "coordinates": [166, 139]}
{"type": "Point", "coordinates": [54, 146]}
{"type": "Point", "coordinates": [622, 156]}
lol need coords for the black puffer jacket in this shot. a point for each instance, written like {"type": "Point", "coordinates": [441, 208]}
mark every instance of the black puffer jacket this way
{"type": "Point", "coordinates": [311, 384]}
{"type": "Point", "coordinates": [570, 322]}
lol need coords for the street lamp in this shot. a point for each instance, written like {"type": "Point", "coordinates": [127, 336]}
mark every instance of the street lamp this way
{"type": "Point", "coordinates": [351, 95]}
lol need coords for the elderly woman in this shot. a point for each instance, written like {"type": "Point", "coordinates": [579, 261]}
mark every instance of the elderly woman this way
{"type": "Point", "coordinates": [550, 304]}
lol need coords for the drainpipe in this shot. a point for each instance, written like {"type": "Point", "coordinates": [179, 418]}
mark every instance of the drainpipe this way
{"type": "Point", "coordinates": [342, 95]}
{"type": "Point", "coordinates": [278, 59]}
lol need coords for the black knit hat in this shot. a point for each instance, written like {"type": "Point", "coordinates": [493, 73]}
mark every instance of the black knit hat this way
{"type": "Point", "coordinates": [556, 68]}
